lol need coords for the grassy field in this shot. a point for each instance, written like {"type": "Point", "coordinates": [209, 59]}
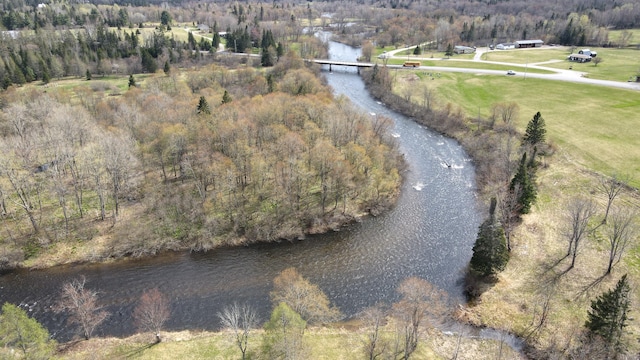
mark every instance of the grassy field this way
{"type": "Point", "coordinates": [321, 344]}
{"type": "Point", "coordinates": [598, 126]}
{"type": "Point", "coordinates": [614, 36]}
{"type": "Point", "coordinates": [595, 130]}
{"type": "Point", "coordinates": [617, 64]}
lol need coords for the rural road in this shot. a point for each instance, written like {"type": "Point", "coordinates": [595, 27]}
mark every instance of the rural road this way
{"type": "Point", "coordinates": [558, 74]}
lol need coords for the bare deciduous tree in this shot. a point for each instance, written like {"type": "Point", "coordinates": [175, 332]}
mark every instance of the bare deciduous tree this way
{"type": "Point", "coordinates": [240, 319]}
{"type": "Point", "coordinates": [620, 232]}
{"type": "Point", "coordinates": [421, 305]}
{"type": "Point", "coordinates": [373, 344]}
{"type": "Point", "coordinates": [82, 305]}
{"type": "Point", "coordinates": [152, 312]}
{"type": "Point", "coordinates": [578, 213]}
{"type": "Point", "coordinates": [509, 212]}
{"type": "Point", "coordinates": [611, 188]}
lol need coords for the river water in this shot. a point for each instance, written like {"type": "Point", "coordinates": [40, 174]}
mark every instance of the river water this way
{"type": "Point", "coordinates": [428, 234]}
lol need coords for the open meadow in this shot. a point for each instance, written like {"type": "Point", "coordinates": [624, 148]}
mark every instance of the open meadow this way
{"type": "Point", "coordinates": [596, 127]}
{"type": "Point", "coordinates": [594, 131]}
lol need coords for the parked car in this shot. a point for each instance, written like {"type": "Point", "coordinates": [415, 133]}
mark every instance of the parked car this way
{"type": "Point", "coordinates": [511, 72]}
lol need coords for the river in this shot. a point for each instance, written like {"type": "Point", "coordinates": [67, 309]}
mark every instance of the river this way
{"type": "Point", "coordinates": [429, 234]}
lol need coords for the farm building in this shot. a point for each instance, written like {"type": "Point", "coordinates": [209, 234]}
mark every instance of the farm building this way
{"type": "Point", "coordinates": [529, 43]}
{"type": "Point", "coordinates": [463, 50]}
{"type": "Point", "coordinates": [579, 58]}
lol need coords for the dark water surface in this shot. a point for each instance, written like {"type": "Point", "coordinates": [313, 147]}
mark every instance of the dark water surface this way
{"type": "Point", "coordinates": [428, 234]}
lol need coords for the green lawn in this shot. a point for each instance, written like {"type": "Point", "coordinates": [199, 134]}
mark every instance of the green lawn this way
{"type": "Point", "coordinates": [597, 126]}
{"type": "Point", "coordinates": [519, 56]}
{"type": "Point", "coordinates": [452, 63]}
{"type": "Point", "coordinates": [614, 35]}
{"type": "Point", "coordinates": [617, 64]}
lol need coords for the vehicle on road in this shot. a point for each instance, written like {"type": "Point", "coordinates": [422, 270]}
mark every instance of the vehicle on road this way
{"type": "Point", "coordinates": [511, 72]}
{"type": "Point", "coordinates": [412, 64]}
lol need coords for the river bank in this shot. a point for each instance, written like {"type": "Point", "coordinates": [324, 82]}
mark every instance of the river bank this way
{"type": "Point", "coordinates": [322, 343]}
{"type": "Point", "coordinates": [538, 296]}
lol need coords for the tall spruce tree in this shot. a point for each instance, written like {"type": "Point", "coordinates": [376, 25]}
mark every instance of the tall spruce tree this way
{"type": "Point", "coordinates": [449, 51]}
{"type": "Point", "coordinates": [536, 131]}
{"type": "Point", "coordinates": [226, 98]}
{"type": "Point", "coordinates": [609, 314]}
{"type": "Point", "coordinates": [203, 106]}
{"type": "Point", "coordinates": [490, 253]}
{"type": "Point", "coordinates": [523, 185]}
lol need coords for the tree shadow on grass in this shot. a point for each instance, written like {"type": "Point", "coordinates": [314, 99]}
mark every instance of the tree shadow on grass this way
{"type": "Point", "coordinates": [585, 290]}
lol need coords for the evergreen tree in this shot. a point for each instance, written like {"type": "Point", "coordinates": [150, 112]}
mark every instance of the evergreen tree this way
{"type": "Point", "coordinates": [271, 86]}
{"type": "Point", "coordinates": [167, 67]}
{"type": "Point", "coordinates": [490, 253]}
{"type": "Point", "coordinates": [609, 314]}
{"type": "Point", "coordinates": [523, 183]}
{"type": "Point", "coordinates": [215, 43]}
{"type": "Point", "coordinates": [165, 18]}
{"type": "Point", "coordinates": [417, 50]}
{"type": "Point", "coordinates": [88, 74]}
{"type": "Point", "coordinates": [267, 58]}
{"type": "Point", "coordinates": [280, 50]}
{"type": "Point", "coordinates": [536, 131]}
{"type": "Point", "coordinates": [132, 81]}
{"type": "Point", "coordinates": [226, 98]}
{"type": "Point", "coordinates": [449, 51]}
{"type": "Point", "coordinates": [24, 334]}
{"type": "Point", "coordinates": [203, 106]}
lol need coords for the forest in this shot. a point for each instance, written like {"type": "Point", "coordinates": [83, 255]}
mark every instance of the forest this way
{"type": "Point", "coordinates": [48, 41]}
{"type": "Point", "coordinates": [276, 159]}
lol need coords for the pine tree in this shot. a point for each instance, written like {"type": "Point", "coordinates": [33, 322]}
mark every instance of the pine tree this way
{"type": "Point", "coordinates": [449, 51]}
{"type": "Point", "coordinates": [523, 183]}
{"type": "Point", "coordinates": [490, 253]}
{"type": "Point", "coordinates": [88, 74]}
{"type": "Point", "coordinates": [167, 67]}
{"type": "Point", "coordinates": [609, 314]}
{"type": "Point", "coordinates": [226, 98]}
{"type": "Point", "coordinates": [203, 106]}
{"type": "Point", "coordinates": [535, 133]}
{"type": "Point", "coordinates": [132, 81]}
{"type": "Point", "coordinates": [417, 50]}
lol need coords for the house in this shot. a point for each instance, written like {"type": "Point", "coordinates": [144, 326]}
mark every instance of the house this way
{"type": "Point", "coordinates": [505, 46]}
{"type": "Point", "coordinates": [203, 28]}
{"type": "Point", "coordinates": [463, 49]}
{"type": "Point", "coordinates": [520, 44]}
{"type": "Point", "coordinates": [588, 52]}
{"type": "Point", "coordinates": [582, 58]}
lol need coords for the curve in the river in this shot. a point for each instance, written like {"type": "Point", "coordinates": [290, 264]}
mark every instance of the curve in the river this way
{"type": "Point", "coordinates": [428, 234]}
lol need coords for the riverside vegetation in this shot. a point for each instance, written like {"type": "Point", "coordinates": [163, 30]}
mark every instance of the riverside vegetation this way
{"type": "Point", "coordinates": [545, 292]}
{"type": "Point", "coordinates": [183, 166]}
{"type": "Point", "coordinates": [153, 169]}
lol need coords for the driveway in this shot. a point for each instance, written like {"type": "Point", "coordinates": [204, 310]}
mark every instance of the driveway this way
{"type": "Point", "coordinates": [558, 74]}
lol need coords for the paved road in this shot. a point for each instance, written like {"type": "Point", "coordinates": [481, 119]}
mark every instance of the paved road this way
{"type": "Point", "coordinates": [558, 74]}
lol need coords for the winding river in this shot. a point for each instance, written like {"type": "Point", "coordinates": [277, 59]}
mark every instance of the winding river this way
{"type": "Point", "coordinates": [428, 234]}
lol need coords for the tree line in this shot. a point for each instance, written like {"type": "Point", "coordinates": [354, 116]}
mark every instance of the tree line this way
{"type": "Point", "coordinates": [274, 156]}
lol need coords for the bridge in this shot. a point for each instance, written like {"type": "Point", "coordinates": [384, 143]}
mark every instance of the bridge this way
{"type": "Point", "coordinates": [341, 63]}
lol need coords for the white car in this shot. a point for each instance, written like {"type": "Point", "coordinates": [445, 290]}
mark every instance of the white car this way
{"type": "Point", "coordinates": [511, 72]}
